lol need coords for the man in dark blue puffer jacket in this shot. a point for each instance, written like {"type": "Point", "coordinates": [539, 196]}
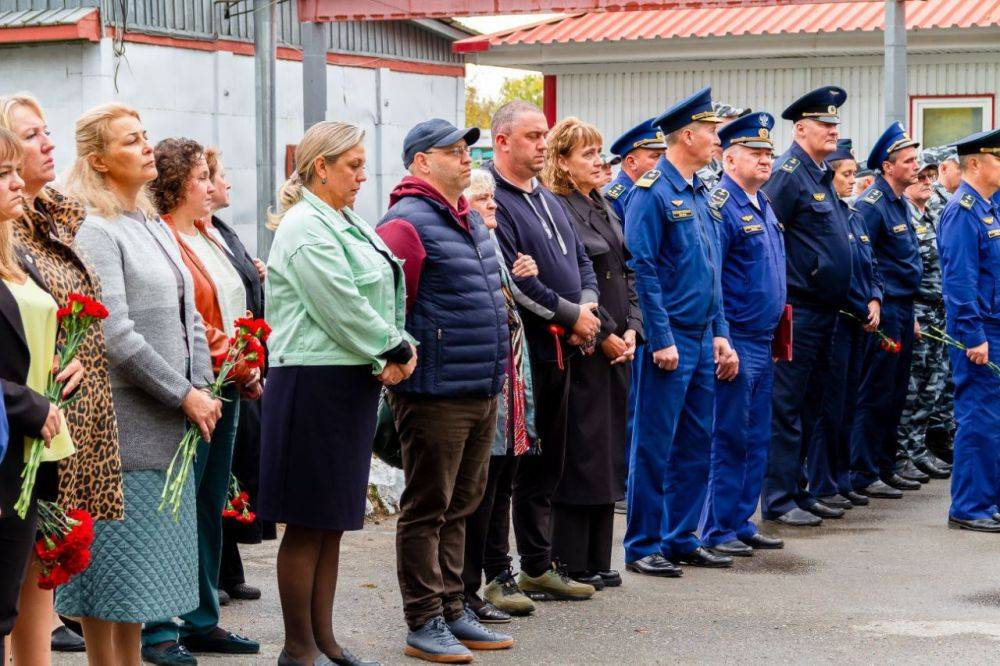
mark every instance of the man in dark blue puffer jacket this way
{"type": "Point", "coordinates": [446, 412]}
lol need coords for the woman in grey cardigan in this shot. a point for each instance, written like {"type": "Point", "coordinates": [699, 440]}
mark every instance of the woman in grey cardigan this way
{"type": "Point", "coordinates": [144, 567]}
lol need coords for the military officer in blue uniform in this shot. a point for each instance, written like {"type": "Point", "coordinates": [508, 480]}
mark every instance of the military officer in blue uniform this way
{"type": "Point", "coordinates": [670, 235]}
{"type": "Point", "coordinates": [836, 392]}
{"type": "Point", "coordinates": [969, 244]}
{"type": "Point", "coordinates": [885, 375]}
{"type": "Point", "coordinates": [818, 270]}
{"type": "Point", "coordinates": [639, 149]}
{"type": "Point", "coordinates": [752, 253]}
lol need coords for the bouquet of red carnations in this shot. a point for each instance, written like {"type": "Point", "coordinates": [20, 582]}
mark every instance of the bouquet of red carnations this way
{"type": "Point", "coordinates": [64, 546]}
{"type": "Point", "coordinates": [75, 319]}
{"type": "Point", "coordinates": [238, 503]}
{"type": "Point", "coordinates": [937, 335]}
{"type": "Point", "coordinates": [885, 342]}
{"type": "Point", "coordinates": [246, 350]}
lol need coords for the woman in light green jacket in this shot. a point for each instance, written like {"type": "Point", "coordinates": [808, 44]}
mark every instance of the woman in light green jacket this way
{"type": "Point", "coordinates": [335, 300]}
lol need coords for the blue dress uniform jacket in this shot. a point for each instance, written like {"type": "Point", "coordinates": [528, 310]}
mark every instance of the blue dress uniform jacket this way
{"type": "Point", "coordinates": [897, 250]}
{"type": "Point", "coordinates": [885, 377]}
{"type": "Point", "coordinates": [753, 290]}
{"type": "Point", "coordinates": [819, 255]}
{"type": "Point", "coordinates": [866, 280]}
{"type": "Point", "coordinates": [669, 234]}
{"type": "Point", "coordinates": [969, 245]}
{"type": "Point", "coordinates": [617, 194]}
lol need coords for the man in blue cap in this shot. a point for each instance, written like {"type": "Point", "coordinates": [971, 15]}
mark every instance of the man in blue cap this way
{"type": "Point", "coordinates": [752, 254]}
{"type": "Point", "coordinates": [711, 173]}
{"type": "Point", "coordinates": [836, 391]}
{"type": "Point", "coordinates": [818, 263]}
{"type": "Point", "coordinates": [671, 238]}
{"type": "Point", "coordinates": [969, 241]}
{"type": "Point", "coordinates": [885, 375]}
{"type": "Point", "coordinates": [638, 148]}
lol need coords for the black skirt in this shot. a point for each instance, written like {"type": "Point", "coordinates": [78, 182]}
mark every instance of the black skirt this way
{"type": "Point", "coordinates": [316, 445]}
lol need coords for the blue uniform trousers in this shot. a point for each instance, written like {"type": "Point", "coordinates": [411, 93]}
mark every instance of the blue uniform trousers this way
{"type": "Point", "coordinates": [975, 478]}
{"type": "Point", "coordinates": [633, 390]}
{"type": "Point", "coordinates": [885, 379]}
{"type": "Point", "coordinates": [671, 448]}
{"type": "Point", "coordinates": [740, 442]}
{"type": "Point", "coordinates": [793, 417]}
{"type": "Point", "coordinates": [829, 457]}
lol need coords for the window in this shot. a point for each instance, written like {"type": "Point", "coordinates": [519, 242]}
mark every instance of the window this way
{"type": "Point", "coordinates": [940, 120]}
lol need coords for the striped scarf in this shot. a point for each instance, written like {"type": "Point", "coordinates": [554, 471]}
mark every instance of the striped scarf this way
{"type": "Point", "coordinates": [513, 387]}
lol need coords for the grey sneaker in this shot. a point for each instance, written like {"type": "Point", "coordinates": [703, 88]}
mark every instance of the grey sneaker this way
{"type": "Point", "coordinates": [475, 636]}
{"type": "Point", "coordinates": [435, 642]}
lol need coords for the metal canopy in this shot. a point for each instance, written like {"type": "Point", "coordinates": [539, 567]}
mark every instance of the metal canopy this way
{"type": "Point", "coordinates": [366, 10]}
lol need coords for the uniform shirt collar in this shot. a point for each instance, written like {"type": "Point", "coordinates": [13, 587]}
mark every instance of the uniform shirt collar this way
{"type": "Point", "coordinates": [819, 173]}
{"type": "Point", "coordinates": [676, 179]}
{"type": "Point", "coordinates": [882, 184]}
{"type": "Point", "coordinates": [965, 188]}
{"type": "Point", "coordinates": [740, 195]}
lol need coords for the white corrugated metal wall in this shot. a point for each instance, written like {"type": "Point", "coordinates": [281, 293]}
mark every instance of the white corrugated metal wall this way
{"type": "Point", "coordinates": [615, 98]}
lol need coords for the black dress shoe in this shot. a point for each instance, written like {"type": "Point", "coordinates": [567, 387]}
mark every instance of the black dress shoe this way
{"type": "Point", "coordinates": [655, 565]}
{"type": "Point", "coordinates": [836, 502]}
{"type": "Point", "coordinates": [486, 612]}
{"type": "Point", "coordinates": [899, 483]}
{"type": "Point", "coordinates": [907, 470]}
{"type": "Point", "coordinates": [243, 592]}
{"type": "Point", "coordinates": [760, 542]}
{"type": "Point", "coordinates": [65, 639]}
{"type": "Point", "coordinates": [976, 525]}
{"type": "Point", "coordinates": [285, 659]}
{"type": "Point", "coordinates": [930, 468]}
{"type": "Point", "coordinates": [938, 462]}
{"type": "Point", "coordinates": [857, 499]}
{"type": "Point", "coordinates": [610, 577]}
{"type": "Point", "coordinates": [799, 518]}
{"type": "Point", "coordinates": [824, 511]}
{"type": "Point", "coordinates": [168, 654]}
{"type": "Point", "coordinates": [701, 557]}
{"type": "Point", "coordinates": [221, 642]}
{"type": "Point", "coordinates": [224, 598]}
{"type": "Point", "coordinates": [348, 659]}
{"type": "Point", "coordinates": [588, 578]}
{"type": "Point", "coordinates": [734, 548]}
{"type": "Point", "coordinates": [882, 491]}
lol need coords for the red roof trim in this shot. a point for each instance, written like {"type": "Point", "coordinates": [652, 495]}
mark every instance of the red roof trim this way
{"type": "Point", "coordinates": [87, 28]}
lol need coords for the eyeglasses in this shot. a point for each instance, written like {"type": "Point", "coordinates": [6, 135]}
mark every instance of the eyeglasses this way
{"type": "Point", "coordinates": [455, 151]}
{"type": "Point", "coordinates": [925, 176]}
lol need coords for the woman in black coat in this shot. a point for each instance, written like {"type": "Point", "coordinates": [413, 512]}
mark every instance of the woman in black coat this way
{"type": "Point", "coordinates": [593, 478]}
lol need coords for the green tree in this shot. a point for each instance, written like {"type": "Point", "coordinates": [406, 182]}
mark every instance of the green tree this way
{"type": "Point", "coordinates": [527, 88]}
{"type": "Point", "coordinates": [480, 109]}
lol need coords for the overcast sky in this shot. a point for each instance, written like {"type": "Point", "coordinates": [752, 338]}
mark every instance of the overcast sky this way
{"type": "Point", "coordinates": [489, 79]}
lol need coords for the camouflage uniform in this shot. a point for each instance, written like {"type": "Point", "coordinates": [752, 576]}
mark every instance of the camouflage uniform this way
{"type": "Point", "coordinates": [929, 400]}
{"type": "Point", "coordinates": [710, 174]}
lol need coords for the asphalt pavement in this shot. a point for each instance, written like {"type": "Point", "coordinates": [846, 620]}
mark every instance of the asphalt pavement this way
{"type": "Point", "coordinates": [887, 584]}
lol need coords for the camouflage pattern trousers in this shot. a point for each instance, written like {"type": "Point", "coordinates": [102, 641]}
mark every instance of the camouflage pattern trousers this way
{"type": "Point", "coordinates": [928, 416]}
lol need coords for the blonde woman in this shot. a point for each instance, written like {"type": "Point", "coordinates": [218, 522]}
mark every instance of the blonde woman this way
{"type": "Point", "coordinates": [159, 361]}
{"type": "Point", "coordinates": [43, 238]}
{"type": "Point", "coordinates": [335, 301]}
{"type": "Point", "coordinates": [594, 475]}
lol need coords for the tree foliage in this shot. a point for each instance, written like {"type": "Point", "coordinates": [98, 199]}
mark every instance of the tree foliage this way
{"type": "Point", "coordinates": [480, 108]}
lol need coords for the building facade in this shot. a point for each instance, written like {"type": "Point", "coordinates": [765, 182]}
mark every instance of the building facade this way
{"type": "Point", "coordinates": [616, 68]}
{"type": "Point", "coordinates": [189, 69]}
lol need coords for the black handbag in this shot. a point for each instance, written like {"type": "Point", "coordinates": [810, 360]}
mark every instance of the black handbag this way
{"type": "Point", "coordinates": [386, 443]}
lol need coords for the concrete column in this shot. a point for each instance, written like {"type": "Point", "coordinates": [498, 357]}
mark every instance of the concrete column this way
{"type": "Point", "coordinates": [264, 42]}
{"type": "Point", "coordinates": [313, 73]}
{"type": "Point", "coordinates": [896, 96]}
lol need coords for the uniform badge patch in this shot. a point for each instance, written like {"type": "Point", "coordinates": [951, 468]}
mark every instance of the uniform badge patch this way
{"type": "Point", "coordinates": [677, 202]}
{"type": "Point", "coordinates": [648, 178]}
{"type": "Point", "coordinates": [873, 196]}
{"type": "Point", "coordinates": [864, 238]}
{"type": "Point", "coordinates": [747, 218]}
{"type": "Point", "coordinates": [988, 220]}
{"type": "Point", "coordinates": [993, 233]}
{"type": "Point", "coordinates": [920, 229]}
{"type": "Point", "coordinates": [718, 197]}
{"type": "Point", "coordinates": [753, 228]}
{"type": "Point", "coordinates": [682, 213]}
{"type": "Point", "coordinates": [819, 196]}
{"type": "Point", "coordinates": [615, 191]}
{"type": "Point", "coordinates": [850, 237]}
{"type": "Point", "coordinates": [790, 165]}
{"type": "Point", "coordinates": [899, 228]}
{"type": "Point", "coordinates": [966, 201]}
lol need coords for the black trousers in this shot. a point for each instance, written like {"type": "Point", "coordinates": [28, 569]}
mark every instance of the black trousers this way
{"type": "Point", "coordinates": [582, 536]}
{"type": "Point", "coordinates": [487, 531]}
{"type": "Point", "coordinates": [537, 476]}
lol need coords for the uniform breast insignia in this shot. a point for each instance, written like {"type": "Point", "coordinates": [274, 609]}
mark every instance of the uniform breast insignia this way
{"type": "Point", "coordinates": [753, 228]}
{"type": "Point", "coordinates": [790, 165]}
{"type": "Point", "coordinates": [864, 238]}
{"type": "Point", "coordinates": [648, 178]}
{"type": "Point", "coordinates": [921, 229]}
{"type": "Point", "coordinates": [718, 197]}
{"type": "Point", "coordinates": [988, 220]}
{"type": "Point", "coordinates": [715, 213]}
{"type": "Point", "coordinates": [966, 201]}
{"type": "Point", "coordinates": [615, 191]}
{"type": "Point", "coordinates": [682, 213]}
{"type": "Point", "coordinates": [850, 237]}
{"type": "Point", "coordinates": [747, 218]}
{"type": "Point", "coordinates": [819, 196]}
{"type": "Point", "coordinates": [872, 197]}
{"type": "Point", "coordinates": [993, 233]}
{"type": "Point", "coordinates": [677, 202]}
{"type": "Point", "coordinates": [899, 228]}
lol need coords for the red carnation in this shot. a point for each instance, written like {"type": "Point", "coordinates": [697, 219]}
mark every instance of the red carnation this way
{"type": "Point", "coordinates": [76, 561]}
{"type": "Point", "coordinates": [246, 517]}
{"type": "Point", "coordinates": [52, 578]}
{"type": "Point", "coordinates": [253, 328]}
{"type": "Point", "coordinates": [81, 536]}
{"type": "Point", "coordinates": [253, 353]}
{"type": "Point", "coordinates": [230, 512]}
{"type": "Point", "coordinates": [47, 549]}
{"type": "Point", "coordinates": [63, 312]}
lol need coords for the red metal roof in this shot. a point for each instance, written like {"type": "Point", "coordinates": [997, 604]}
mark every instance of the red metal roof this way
{"type": "Point", "coordinates": [865, 15]}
